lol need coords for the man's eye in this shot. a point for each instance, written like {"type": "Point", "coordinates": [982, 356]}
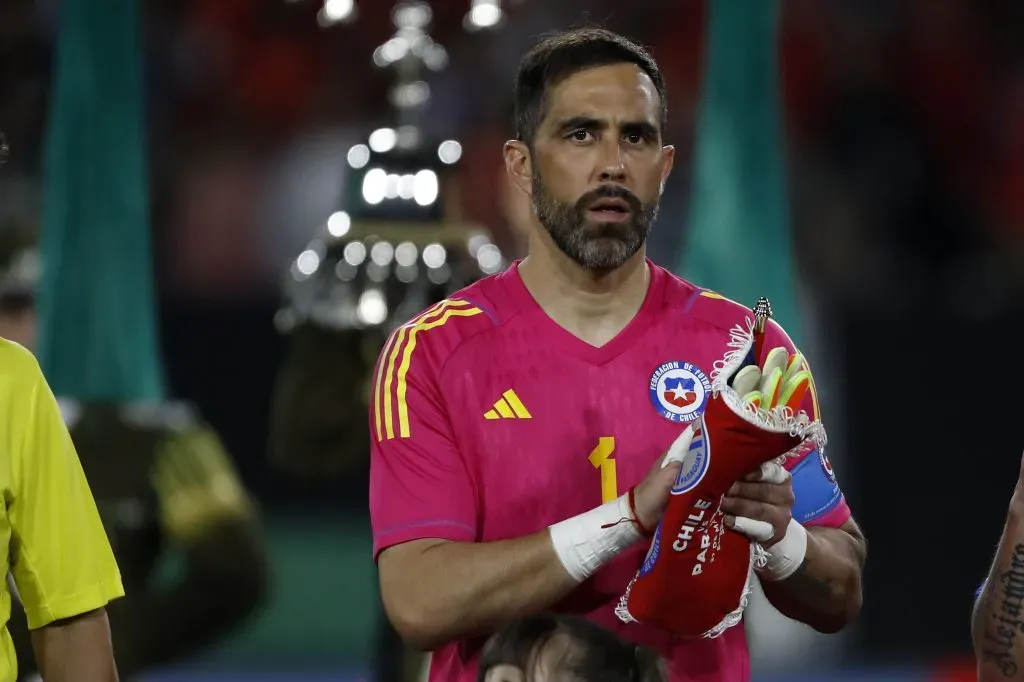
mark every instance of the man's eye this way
{"type": "Point", "coordinates": [635, 138]}
{"type": "Point", "coordinates": [580, 135]}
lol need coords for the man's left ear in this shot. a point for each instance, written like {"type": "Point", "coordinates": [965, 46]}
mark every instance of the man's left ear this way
{"type": "Point", "coordinates": [519, 165]}
{"type": "Point", "coordinates": [668, 159]}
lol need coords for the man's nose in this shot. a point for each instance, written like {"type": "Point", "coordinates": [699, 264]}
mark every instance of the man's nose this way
{"type": "Point", "coordinates": [612, 164]}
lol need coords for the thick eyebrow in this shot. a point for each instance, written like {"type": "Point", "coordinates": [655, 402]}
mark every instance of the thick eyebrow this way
{"type": "Point", "coordinates": [580, 123]}
{"type": "Point", "coordinates": [642, 128]}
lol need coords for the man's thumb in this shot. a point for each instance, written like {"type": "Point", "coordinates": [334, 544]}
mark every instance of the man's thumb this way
{"type": "Point", "coordinates": [677, 451]}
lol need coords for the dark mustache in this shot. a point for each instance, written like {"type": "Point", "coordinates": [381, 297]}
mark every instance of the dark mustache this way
{"type": "Point", "coordinates": [610, 192]}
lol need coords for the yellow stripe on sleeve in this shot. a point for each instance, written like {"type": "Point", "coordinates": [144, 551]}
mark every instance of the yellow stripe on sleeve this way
{"type": "Point", "coordinates": [389, 424]}
{"type": "Point", "coordinates": [396, 359]}
{"type": "Point", "coordinates": [403, 368]}
{"type": "Point", "coordinates": [379, 397]}
{"type": "Point", "coordinates": [382, 385]}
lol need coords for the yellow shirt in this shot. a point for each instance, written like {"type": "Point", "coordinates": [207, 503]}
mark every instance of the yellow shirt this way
{"type": "Point", "coordinates": [53, 541]}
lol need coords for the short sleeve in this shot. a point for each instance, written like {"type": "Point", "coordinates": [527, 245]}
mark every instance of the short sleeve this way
{"type": "Point", "coordinates": [61, 560]}
{"type": "Point", "coordinates": [819, 499]}
{"type": "Point", "coordinates": [420, 486]}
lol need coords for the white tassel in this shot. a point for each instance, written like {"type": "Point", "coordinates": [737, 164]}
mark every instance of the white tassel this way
{"type": "Point", "coordinates": [758, 558]}
{"type": "Point", "coordinates": [622, 609]}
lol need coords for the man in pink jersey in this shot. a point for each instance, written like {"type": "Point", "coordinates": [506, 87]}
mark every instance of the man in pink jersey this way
{"type": "Point", "coordinates": [510, 421]}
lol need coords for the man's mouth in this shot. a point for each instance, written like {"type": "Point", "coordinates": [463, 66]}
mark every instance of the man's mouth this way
{"type": "Point", "coordinates": [611, 206]}
{"type": "Point", "coordinates": [610, 211]}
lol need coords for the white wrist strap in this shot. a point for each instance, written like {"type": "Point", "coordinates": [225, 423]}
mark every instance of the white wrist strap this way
{"type": "Point", "coordinates": [586, 542]}
{"type": "Point", "coordinates": [786, 555]}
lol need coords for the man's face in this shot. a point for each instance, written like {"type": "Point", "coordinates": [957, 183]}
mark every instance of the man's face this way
{"type": "Point", "coordinates": [599, 164]}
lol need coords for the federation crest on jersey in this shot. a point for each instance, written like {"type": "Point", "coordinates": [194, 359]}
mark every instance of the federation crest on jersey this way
{"type": "Point", "coordinates": [679, 391]}
{"type": "Point", "coordinates": [696, 461]}
{"type": "Point", "coordinates": [826, 465]}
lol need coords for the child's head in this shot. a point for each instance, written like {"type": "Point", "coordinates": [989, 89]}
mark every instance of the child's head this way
{"type": "Point", "coordinates": [560, 648]}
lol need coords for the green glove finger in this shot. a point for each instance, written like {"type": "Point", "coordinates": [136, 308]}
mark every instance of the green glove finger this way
{"type": "Point", "coordinates": [796, 364]}
{"type": "Point", "coordinates": [770, 386]}
{"type": "Point", "coordinates": [753, 398]}
{"type": "Point", "coordinates": [776, 359]}
{"type": "Point", "coordinates": [794, 389]}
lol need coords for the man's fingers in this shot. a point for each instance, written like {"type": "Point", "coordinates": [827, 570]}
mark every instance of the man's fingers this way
{"type": "Point", "coordinates": [769, 472]}
{"type": "Point", "coordinates": [758, 531]}
{"type": "Point", "coordinates": [753, 509]}
{"type": "Point", "coordinates": [768, 493]}
{"type": "Point", "coordinates": [677, 451]}
{"type": "Point", "coordinates": [773, 472]}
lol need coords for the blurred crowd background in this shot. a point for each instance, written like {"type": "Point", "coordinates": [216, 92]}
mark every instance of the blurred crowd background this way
{"type": "Point", "coordinates": [904, 125]}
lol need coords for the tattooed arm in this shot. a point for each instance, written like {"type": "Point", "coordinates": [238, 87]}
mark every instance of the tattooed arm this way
{"type": "Point", "coordinates": [825, 592]}
{"type": "Point", "coordinates": [998, 622]}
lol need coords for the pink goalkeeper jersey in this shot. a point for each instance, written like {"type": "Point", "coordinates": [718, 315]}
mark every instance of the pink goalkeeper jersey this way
{"type": "Point", "coordinates": [491, 422]}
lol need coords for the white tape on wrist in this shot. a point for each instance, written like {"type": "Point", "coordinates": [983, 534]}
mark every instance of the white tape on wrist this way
{"type": "Point", "coordinates": [586, 542]}
{"type": "Point", "coordinates": [786, 555]}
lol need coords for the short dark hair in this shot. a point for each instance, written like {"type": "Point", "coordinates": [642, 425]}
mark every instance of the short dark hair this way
{"type": "Point", "coordinates": [561, 55]}
{"type": "Point", "coordinates": [592, 653]}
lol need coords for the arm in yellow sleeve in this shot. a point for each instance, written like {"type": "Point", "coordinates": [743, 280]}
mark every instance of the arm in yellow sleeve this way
{"type": "Point", "coordinates": [61, 560]}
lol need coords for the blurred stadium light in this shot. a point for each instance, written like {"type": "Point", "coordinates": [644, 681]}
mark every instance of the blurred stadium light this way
{"type": "Point", "coordinates": [483, 15]}
{"type": "Point", "coordinates": [337, 12]}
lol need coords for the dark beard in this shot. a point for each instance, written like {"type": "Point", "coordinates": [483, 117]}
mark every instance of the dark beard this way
{"type": "Point", "coordinates": [603, 247]}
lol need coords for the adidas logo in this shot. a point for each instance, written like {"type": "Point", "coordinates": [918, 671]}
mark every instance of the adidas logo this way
{"type": "Point", "coordinates": [509, 406]}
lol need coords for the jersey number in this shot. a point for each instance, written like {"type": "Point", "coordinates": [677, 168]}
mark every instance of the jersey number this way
{"type": "Point", "coordinates": [602, 458]}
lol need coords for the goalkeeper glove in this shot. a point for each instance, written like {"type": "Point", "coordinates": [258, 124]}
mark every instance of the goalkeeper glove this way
{"type": "Point", "coordinates": [782, 382]}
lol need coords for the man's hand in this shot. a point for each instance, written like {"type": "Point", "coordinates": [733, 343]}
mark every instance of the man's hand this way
{"type": "Point", "coordinates": [650, 497]}
{"type": "Point", "coordinates": [761, 504]}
